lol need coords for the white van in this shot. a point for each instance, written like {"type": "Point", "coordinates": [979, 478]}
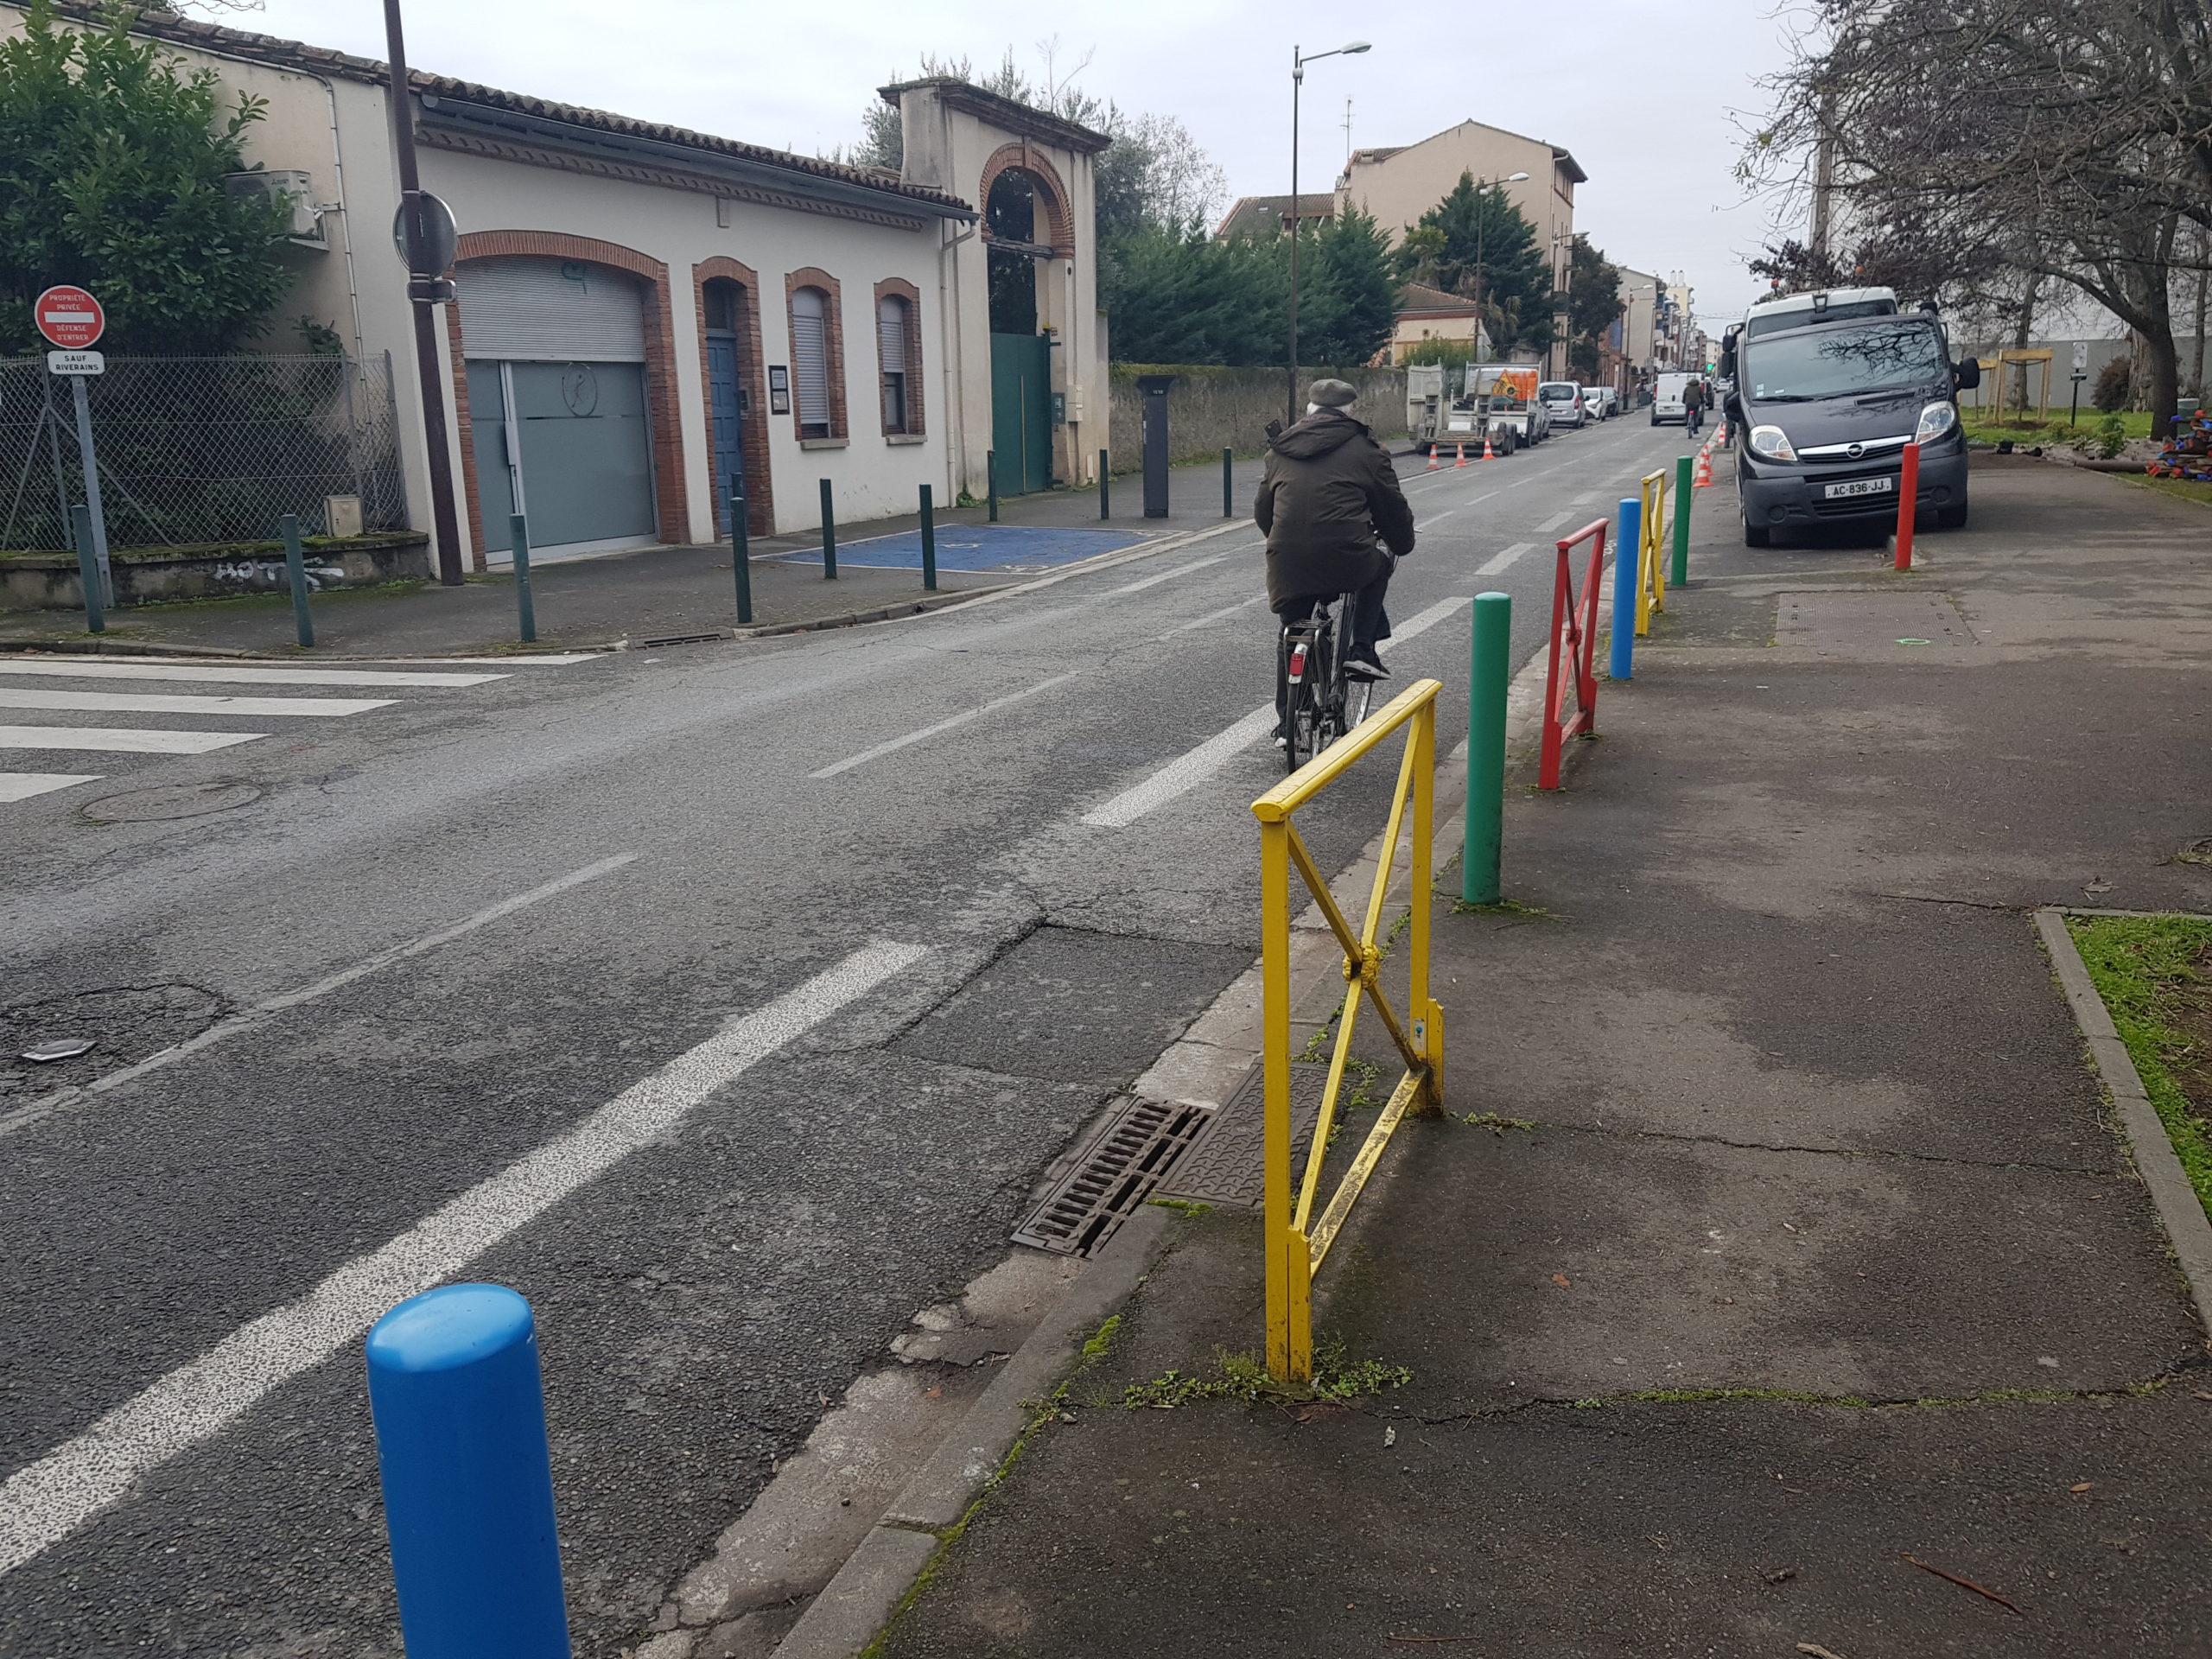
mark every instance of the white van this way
{"type": "Point", "coordinates": [1667, 397]}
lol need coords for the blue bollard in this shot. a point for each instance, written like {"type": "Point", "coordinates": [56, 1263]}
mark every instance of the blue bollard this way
{"type": "Point", "coordinates": [1628, 571]}
{"type": "Point", "coordinates": [467, 1481]}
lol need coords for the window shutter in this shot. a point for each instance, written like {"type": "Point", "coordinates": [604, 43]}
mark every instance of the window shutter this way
{"type": "Point", "coordinates": [891, 333]}
{"type": "Point", "coordinates": [810, 357]}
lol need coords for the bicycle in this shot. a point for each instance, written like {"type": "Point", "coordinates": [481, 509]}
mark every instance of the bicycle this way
{"type": "Point", "coordinates": [1322, 704]}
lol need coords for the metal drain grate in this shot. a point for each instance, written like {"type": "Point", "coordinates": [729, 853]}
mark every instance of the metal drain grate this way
{"type": "Point", "coordinates": [1124, 1163]}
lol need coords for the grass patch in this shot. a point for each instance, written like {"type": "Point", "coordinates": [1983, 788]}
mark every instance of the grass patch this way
{"type": "Point", "coordinates": [1505, 907]}
{"type": "Point", "coordinates": [2155, 976]}
{"type": "Point", "coordinates": [1241, 1376]}
{"type": "Point", "coordinates": [1495, 1123]}
{"type": "Point", "coordinates": [1988, 426]}
{"type": "Point", "coordinates": [2185, 489]}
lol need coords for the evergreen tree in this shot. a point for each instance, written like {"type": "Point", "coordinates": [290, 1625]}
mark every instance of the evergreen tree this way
{"type": "Point", "coordinates": [1593, 301]}
{"type": "Point", "coordinates": [1476, 238]}
{"type": "Point", "coordinates": [1348, 304]}
{"type": "Point", "coordinates": [113, 181]}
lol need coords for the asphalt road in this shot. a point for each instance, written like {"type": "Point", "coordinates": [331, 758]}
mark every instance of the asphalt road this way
{"type": "Point", "coordinates": [730, 854]}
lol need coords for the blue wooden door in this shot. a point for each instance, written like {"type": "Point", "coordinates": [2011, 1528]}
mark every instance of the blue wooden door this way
{"type": "Point", "coordinates": [726, 401]}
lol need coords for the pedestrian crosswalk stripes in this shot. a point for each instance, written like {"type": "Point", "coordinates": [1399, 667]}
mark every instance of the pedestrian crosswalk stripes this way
{"type": "Point", "coordinates": [22, 786]}
{"type": "Point", "coordinates": [237, 674]}
{"type": "Point", "coordinates": [75, 717]}
{"type": "Point", "coordinates": [119, 702]}
{"type": "Point", "coordinates": [126, 739]}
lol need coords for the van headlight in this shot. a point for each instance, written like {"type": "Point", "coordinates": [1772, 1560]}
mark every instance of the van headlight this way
{"type": "Point", "coordinates": [1936, 420]}
{"type": "Point", "coordinates": [1772, 442]}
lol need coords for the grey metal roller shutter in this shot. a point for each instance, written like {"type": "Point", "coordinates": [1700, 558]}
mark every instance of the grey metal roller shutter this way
{"type": "Point", "coordinates": [550, 311]}
{"type": "Point", "coordinates": [811, 356]}
{"type": "Point", "coordinates": [891, 333]}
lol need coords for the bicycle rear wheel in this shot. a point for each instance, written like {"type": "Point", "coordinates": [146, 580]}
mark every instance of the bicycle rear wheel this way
{"type": "Point", "coordinates": [1305, 650]}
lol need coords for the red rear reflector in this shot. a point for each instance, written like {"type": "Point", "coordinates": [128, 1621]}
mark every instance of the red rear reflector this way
{"type": "Point", "coordinates": [1297, 663]}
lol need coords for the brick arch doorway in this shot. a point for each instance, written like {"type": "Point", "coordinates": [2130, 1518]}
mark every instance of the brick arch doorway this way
{"type": "Point", "coordinates": [727, 294]}
{"type": "Point", "coordinates": [1026, 222]}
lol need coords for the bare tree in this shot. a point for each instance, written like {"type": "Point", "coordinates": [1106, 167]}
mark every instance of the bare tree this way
{"type": "Point", "coordinates": [2070, 143]}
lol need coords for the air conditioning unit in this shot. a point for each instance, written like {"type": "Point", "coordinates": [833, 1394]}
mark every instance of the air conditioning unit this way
{"type": "Point", "coordinates": [290, 188]}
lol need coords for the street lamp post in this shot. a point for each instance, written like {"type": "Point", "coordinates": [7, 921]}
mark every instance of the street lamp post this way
{"type": "Point", "coordinates": [1298, 62]}
{"type": "Point", "coordinates": [1482, 230]}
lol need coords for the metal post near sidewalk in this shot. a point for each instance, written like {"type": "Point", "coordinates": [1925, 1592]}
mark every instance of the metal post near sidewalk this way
{"type": "Point", "coordinates": [88, 570]}
{"type": "Point", "coordinates": [828, 536]}
{"type": "Point", "coordinates": [1628, 581]}
{"type": "Point", "coordinates": [740, 551]}
{"type": "Point", "coordinates": [460, 1415]}
{"type": "Point", "coordinates": [296, 568]}
{"type": "Point", "coordinates": [1908, 505]}
{"type": "Point", "coordinates": [1105, 485]}
{"type": "Point", "coordinates": [1228, 487]}
{"type": "Point", "coordinates": [991, 481]}
{"type": "Point", "coordinates": [929, 542]}
{"type": "Point", "coordinates": [88, 460]}
{"type": "Point", "coordinates": [1483, 843]}
{"type": "Point", "coordinates": [525, 610]}
{"type": "Point", "coordinates": [1680, 572]}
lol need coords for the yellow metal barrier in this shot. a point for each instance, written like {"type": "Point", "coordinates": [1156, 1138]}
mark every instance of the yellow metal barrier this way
{"type": "Point", "coordinates": [1295, 1243]}
{"type": "Point", "coordinates": [1651, 553]}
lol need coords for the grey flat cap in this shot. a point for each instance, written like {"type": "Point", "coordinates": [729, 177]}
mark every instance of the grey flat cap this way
{"type": "Point", "coordinates": [1332, 394]}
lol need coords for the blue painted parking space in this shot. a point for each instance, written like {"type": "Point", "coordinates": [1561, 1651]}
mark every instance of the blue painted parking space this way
{"type": "Point", "coordinates": [1014, 548]}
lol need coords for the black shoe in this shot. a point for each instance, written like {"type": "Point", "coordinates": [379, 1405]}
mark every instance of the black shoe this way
{"type": "Point", "coordinates": [1357, 668]}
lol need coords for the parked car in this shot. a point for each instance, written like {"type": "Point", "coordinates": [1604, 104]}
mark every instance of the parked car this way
{"type": "Point", "coordinates": [1563, 398]}
{"type": "Point", "coordinates": [1828, 390]}
{"type": "Point", "coordinates": [1602, 402]}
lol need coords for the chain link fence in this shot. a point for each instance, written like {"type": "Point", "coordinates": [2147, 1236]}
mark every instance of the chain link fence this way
{"type": "Point", "coordinates": [195, 450]}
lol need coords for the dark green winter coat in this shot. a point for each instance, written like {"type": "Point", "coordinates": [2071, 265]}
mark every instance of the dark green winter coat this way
{"type": "Point", "coordinates": [1327, 493]}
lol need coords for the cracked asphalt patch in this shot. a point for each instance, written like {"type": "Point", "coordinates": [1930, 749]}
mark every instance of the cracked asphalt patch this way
{"type": "Point", "coordinates": [125, 1023]}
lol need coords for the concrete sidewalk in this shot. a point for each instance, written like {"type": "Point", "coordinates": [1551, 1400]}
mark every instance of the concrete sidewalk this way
{"type": "Point", "coordinates": [639, 597]}
{"type": "Point", "coordinates": [1777, 1283]}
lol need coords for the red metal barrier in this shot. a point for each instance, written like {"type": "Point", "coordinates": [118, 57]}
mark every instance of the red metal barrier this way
{"type": "Point", "coordinates": [1908, 504]}
{"type": "Point", "coordinates": [1574, 638]}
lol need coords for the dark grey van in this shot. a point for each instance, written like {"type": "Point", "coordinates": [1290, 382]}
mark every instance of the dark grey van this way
{"type": "Point", "coordinates": [1823, 409]}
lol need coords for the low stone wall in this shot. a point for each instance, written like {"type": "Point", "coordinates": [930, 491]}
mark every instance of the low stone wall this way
{"type": "Point", "coordinates": [1210, 409]}
{"type": "Point", "coordinates": [47, 582]}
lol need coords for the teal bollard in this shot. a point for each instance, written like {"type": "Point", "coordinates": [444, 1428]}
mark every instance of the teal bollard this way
{"type": "Point", "coordinates": [1482, 852]}
{"type": "Point", "coordinates": [296, 568]}
{"type": "Point", "coordinates": [828, 536]}
{"type": "Point", "coordinates": [929, 542]}
{"type": "Point", "coordinates": [991, 481]}
{"type": "Point", "coordinates": [1228, 485]}
{"type": "Point", "coordinates": [1105, 486]}
{"type": "Point", "coordinates": [740, 550]}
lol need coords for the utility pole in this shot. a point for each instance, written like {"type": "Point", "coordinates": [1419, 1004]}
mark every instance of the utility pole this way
{"type": "Point", "coordinates": [1298, 62]}
{"type": "Point", "coordinates": [425, 289]}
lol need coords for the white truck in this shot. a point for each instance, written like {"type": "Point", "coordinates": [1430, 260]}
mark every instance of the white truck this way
{"type": "Point", "coordinates": [1497, 402]}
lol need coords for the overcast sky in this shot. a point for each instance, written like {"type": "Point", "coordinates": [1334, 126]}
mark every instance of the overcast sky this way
{"type": "Point", "coordinates": [1642, 93]}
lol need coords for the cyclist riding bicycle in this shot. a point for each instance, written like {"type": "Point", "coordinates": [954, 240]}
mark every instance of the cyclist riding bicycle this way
{"type": "Point", "coordinates": [1328, 496]}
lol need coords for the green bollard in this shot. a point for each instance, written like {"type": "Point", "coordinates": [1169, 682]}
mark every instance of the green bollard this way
{"type": "Point", "coordinates": [740, 551]}
{"type": "Point", "coordinates": [526, 612]}
{"type": "Point", "coordinates": [828, 536]}
{"type": "Point", "coordinates": [1481, 852]}
{"type": "Point", "coordinates": [1228, 487]}
{"type": "Point", "coordinates": [1678, 571]}
{"type": "Point", "coordinates": [991, 481]}
{"type": "Point", "coordinates": [928, 543]}
{"type": "Point", "coordinates": [296, 568]}
{"type": "Point", "coordinates": [88, 568]}
{"type": "Point", "coordinates": [1105, 485]}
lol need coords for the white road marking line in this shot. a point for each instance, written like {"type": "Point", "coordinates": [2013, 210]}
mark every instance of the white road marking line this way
{"type": "Point", "coordinates": [1551, 523]}
{"type": "Point", "coordinates": [22, 786]}
{"type": "Point", "coordinates": [1583, 499]}
{"type": "Point", "coordinates": [1166, 575]}
{"type": "Point", "coordinates": [911, 738]}
{"type": "Point", "coordinates": [261, 1012]}
{"type": "Point", "coordinates": [83, 669]}
{"type": "Point", "coordinates": [520, 659]}
{"type": "Point", "coordinates": [124, 739]}
{"type": "Point", "coordinates": [119, 702]}
{"type": "Point", "coordinates": [1435, 518]}
{"type": "Point", "coordinates": [1230, 610]}
{"type": "Point", "coordinates": [1424, 621]}
{"type": "Point", "coordinates": [1502, 560]}
{"type": "Point", "coordinates": [45, 1501]}
{"type": "Point", "coordinates": [1183, 774]}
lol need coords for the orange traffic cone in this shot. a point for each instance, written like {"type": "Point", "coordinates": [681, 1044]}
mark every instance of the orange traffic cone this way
{"type": "Point", "coordinates": [1703, 479]}
{"type": "Point", "coordinates": [1489, 454]}
{"type": "Point", "coordinates": [1434, 464]}
{"type": "Point", "coordinates": [1463, 456]}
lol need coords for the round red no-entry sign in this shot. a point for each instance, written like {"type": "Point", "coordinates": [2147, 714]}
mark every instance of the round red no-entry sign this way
{"type": "Point", "coordinates": [69, 318]}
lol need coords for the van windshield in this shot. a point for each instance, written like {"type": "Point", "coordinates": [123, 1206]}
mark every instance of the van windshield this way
{"type": "Point", "coordinates": [1878, 357]}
